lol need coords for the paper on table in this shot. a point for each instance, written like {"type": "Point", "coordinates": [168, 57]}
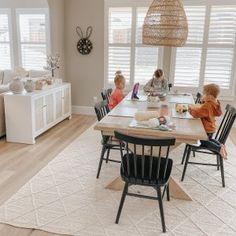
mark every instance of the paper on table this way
{"type": "Point", "coordinates": [135, 124]}
{"type": "Point", "coordinates": [123, 111]}
{"type": "Point", "coordinates": [185, 115]}
{"type": "Point", "coordinates": [182, 99]}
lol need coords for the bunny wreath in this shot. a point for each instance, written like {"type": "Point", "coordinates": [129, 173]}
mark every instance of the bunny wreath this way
{"type": "Point", "coordinates": [84, 45]}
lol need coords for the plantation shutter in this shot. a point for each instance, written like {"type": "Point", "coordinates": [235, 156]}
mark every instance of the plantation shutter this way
{"type": "Point", "coordinates": [187, 67]}
{"type": "Point", "coordinates": [5, 51]}
{"type": "Point", "coordinates": [123, 44]}
{"type": "Point", "coordinates": [119, 49]}
{"type": "Point", "coordinates": [33, 41]}
{"type": "Point", "coordinates": [146, 58]}
{"type": "Point", "coordinates": [209, 54]}
{"type": "Point", "coordinates": [221, 46]}
{"type": "Point", "coordinates": [188, 58]}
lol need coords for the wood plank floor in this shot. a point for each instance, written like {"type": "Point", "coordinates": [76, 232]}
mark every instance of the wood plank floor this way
{"type": "Point", "coordinates": [20, 162]}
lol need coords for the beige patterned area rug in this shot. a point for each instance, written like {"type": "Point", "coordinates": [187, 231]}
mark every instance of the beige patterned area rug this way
{"type": "Point", "coordinates": [65, 197]}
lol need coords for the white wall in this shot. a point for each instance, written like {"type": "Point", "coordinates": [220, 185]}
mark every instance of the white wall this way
{"type": "Point", "coordinates": [23, 3]}
{"type": "Point", "coordinates": [85, 72]}
{"type": "Point", "coordinates": [57, 27]}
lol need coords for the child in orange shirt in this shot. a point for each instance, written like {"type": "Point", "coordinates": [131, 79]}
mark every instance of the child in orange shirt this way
{"type": "Point", "coordinates": [208, 109]}
{"type": "Point", "coordinates": [117, 94]}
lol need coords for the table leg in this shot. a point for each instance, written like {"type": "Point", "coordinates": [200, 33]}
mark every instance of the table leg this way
{"type": "Point", "coordinates": [177, 191]}
{"type": "Point", "coordinates": [117, 184]}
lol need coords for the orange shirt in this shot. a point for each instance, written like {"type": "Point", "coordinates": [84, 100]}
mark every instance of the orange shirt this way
{"type": "Point", "coordinates": [115, 98]}
{"type": "Point", "coordinates": [207, 112]}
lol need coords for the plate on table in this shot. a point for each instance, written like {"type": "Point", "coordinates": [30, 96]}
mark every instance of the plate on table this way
{"type": "Point", "coordinates": [184, 115]}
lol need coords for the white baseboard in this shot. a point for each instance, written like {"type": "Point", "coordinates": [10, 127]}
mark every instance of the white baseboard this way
{"type": "Point", "coordinates": [84, 110]}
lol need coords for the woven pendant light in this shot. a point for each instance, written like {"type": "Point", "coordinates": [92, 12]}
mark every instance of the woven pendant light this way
{"type": "Point", "coordinates": [165, 24]}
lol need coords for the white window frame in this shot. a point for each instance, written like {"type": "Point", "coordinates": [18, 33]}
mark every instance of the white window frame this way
{"type": "Point", "coordinates": [225, 94]}
{"type": "Point", "coordinates": [32, 11]}
{"type": "Point", "coordinates": [7, 11]}
{"type": "Point", "coordinates": [134, 4]}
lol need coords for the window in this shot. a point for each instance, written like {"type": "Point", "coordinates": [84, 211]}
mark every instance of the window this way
{"type": "Point", "coordinates": [33, 38]}
{"type": "Point", "coordinates": [209, 54]}
{"type": "Point", "coordinates": [5, 40]}
{"type": "Point", "coordinates": [123, 44]}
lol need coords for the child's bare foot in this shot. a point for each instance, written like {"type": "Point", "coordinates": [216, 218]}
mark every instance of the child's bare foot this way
{"type": "Point", "coordinates": [223, 152]}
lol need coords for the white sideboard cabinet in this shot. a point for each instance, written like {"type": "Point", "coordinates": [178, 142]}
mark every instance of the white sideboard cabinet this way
{"type": "Point", "coordinates": [30, 114]}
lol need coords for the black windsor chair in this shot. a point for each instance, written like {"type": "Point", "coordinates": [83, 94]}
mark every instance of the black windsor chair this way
{"type": "Point", "coordinates": [146, 170]}
{"type": "Point", "coordinates": [212, 146]}
{"type": "Point", "coordinates": [106, 94]}
{"type": "Point", "coordinates": [101, 110]}
{"type": "Point", "coordinates": [198, 98]}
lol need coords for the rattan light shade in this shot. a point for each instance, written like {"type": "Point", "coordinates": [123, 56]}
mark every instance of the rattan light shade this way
{"type": "Point", "coordinates": [165, 24]}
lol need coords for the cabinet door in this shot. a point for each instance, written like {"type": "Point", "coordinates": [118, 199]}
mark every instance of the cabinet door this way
{"type": "Point", "coordinates": [49, 108]}
{"type": "Point", "coordinates": [66, 103]}
{"type": "Point", "coordinates": [39, 113]}
{"type": "Point", "coordinates": [59, 99]}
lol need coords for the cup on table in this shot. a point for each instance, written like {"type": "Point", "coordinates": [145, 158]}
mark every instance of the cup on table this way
{"type": "Point", "coordinates": [164, 110]}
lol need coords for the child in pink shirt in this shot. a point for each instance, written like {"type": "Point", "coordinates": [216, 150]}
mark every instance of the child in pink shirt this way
{"type": "Point", "coordinates": [117, 94]}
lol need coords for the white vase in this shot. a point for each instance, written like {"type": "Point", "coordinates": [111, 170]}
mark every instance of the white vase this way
{"type": "Point", "coordinates": [16, 86]}
{"type": "Point", "coordinates": [29, 86]}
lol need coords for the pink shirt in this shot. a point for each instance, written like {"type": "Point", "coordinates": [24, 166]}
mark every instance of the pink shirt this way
{"type": "Point", "coordinates": [115, 98]}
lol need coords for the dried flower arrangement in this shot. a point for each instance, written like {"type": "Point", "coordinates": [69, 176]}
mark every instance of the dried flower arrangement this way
{"type": "Point", "coordinates": [53, 63]}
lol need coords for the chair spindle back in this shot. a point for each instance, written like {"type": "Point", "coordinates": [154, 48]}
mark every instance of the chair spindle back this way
{"type": "Point", "coordinates": [198, 98]}
{"type": "Point", "coordinates": [101, 109]}
{"type": "Point", "coordinates": [226, 124]}
{"type": "Point", "coordinates": [106, 94]}
{"type": "Point", "coordinates": [151, 162]}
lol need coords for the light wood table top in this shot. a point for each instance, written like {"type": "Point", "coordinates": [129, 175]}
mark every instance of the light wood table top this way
{"type": "Point", "coordinates": [187, 130]}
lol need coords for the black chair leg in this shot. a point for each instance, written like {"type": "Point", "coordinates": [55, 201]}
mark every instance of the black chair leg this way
{"type": "Point", "coordinates": [101, 159]}
{"type": "Point", "coordinates": [184, 155]}
{"type": "Point", "coordinates": [194, 154]}
{"type": "Point", "coordinates": [218, 162]}
{"type": "Point", "coordinates": [161, 209]}
{"type": "Point", "coordinates": [186, 163]}
{"type": "Point", "coordinates": [108, 153]}
{"type": "Point", "coordinates": [222, 170]}
{"type": "Point", "coordinates": [122, 200]}
{"type": "Point", "coordinates": [168, 192]}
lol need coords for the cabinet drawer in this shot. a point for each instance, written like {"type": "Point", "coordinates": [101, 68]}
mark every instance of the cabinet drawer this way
{"type": "Point", "coordinates": [66, 100]}
{"type": "Point", "coordinates": [58, 96]}
{"type": "Point", "coordinates": [49, 109]}
{"type": "Point", "coordinates": [39, 113]}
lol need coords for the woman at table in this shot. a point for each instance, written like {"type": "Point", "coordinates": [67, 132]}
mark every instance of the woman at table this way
{"type": "Point", "coordinates": [157, 84]}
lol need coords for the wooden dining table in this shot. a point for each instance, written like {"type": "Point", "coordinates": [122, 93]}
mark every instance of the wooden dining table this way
{"type": "Point", "coordinates": [186, 129]}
